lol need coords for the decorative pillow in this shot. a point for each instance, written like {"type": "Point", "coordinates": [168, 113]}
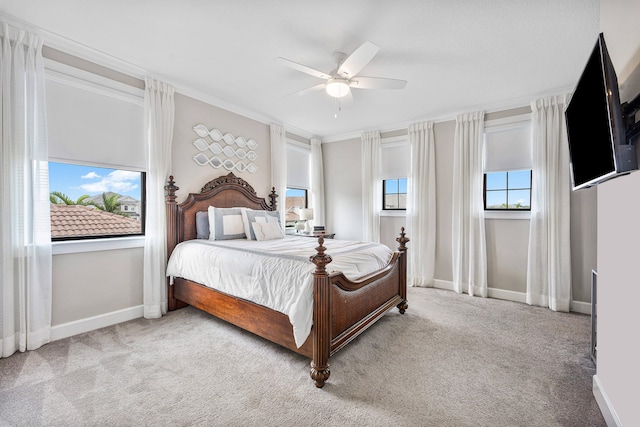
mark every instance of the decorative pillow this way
{"type": "Point", "coordinates": [250, 216]}
{"type": "Point", "coordinates": [202, 225]}
{"type": "Point", "coordinates": [267, 230]}
{"type": "Point", "coordinates": [225, 224]}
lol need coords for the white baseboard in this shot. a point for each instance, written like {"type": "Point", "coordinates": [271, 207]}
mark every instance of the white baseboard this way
{"type": "Point", "coordinates": [607, 410]}
{"type": "Point", "coordinates": [581, 307]}
{"type": "Point", "coordinates": [76, 327]}
{"type": "Point", "coordinates": [576, 306]}
{"type": "Point", "coordinates": [443, 284]}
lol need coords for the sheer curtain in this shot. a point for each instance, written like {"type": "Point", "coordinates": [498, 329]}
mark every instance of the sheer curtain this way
{"type": "Point", "coordinates": [371, 186]}
{"type": "Point", "coordinates": [421, 204]}
{"type": "Point", "coordinates": [25, 235]}
{"type": "Point", "coordinates": [159, 116]}
{"type": "Point", "coordinates": [317, 182]}
{"type": "Point", "coordinates": [469, 246]}
{"type": "Point", "coordinates": [279, 166]}
{"type": "Point", "coordinates": [549, 267]}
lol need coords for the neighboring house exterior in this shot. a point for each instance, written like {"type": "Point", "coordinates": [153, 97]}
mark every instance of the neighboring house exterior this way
{"type": "Point", "coordinates": [86, 221]}
{"type": "Point", "coordinates": [128, 205]}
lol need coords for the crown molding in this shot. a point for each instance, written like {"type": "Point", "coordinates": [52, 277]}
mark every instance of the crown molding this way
{"type": "Point", "coordinates": [509, 104]}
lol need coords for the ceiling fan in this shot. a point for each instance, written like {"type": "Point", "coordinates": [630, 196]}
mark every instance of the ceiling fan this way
{"type": "Point", "coordinates": [338, 83]}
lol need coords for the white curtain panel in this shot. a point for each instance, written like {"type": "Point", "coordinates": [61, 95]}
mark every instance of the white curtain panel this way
{"type": "Point", "coordinates": [549, 266]}
{"type": "Point", "coordinates": [159, 117]}
{"type": "Point", "coordinates": [279, 166]}
{"type": "Point", "coordinates": [421, 204]}
{"type": "Point", "coordinates": [317, 182]}
{"type": "Point", "coordinates": [469, 245]}
{"type": "Point", "coordinates": [371, 186]}
{"type": "Point", "coordinates": [25, 234]}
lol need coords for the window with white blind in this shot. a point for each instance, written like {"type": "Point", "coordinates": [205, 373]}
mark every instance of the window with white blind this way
{"type": "Point", "coordinates": [507, 165]}
{"type": "Point", "coordinates": [394, 165]}
{"type": "Point", "coordinates": [97, 154]}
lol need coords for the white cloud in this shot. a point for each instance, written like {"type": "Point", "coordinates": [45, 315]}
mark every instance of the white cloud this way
{"type": "Point", "coordinates": [117, 181]}
{"type": "Point", "coordinates": [90, 175]}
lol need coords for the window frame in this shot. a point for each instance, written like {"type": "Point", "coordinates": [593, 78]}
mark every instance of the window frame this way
{"type": "Point", "coordinates": [506, 189]}
{"type": "Point", "coordinates": [143, 210]}
{"type": "Point", "coordinates": [306, 195]}
{"type": "Point", "coordinates": [384, 194]}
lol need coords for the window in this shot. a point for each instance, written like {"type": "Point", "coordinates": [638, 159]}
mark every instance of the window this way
{"type": "Point", "coordinates": [394, 194]}
{"type": "Point", "coordinates": [90, 199]}
{"type": "Point", "coordinates": [507, 190]}
{"type": "Point", "coordinates": [97, 156]}
{"type": "Point", "coordinates": [296, 198]}
{"type": "Point", "coordinates": [507, 165]}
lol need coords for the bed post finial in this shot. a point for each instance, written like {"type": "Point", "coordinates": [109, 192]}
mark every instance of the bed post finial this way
{"type": "Point", "coordinates": [403, 240]}
{"type": "Point", "coordinates": [171, 190]}
{"type": "Point", "coordinates": [273, 197]}
{"type": "Point", "coordinates": [321, 259]}
{"type": "Point", "coordinates": [321, 316]}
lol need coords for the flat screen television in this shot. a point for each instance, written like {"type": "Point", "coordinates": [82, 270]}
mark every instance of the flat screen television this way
{"type": "Point", "coordinates": [598, 147]}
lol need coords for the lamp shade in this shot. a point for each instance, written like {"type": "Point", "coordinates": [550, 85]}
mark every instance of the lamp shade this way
{"type": "Point", "coordinates": [306, 214]}
{"type": "Point", "coordinates": [337, 88]}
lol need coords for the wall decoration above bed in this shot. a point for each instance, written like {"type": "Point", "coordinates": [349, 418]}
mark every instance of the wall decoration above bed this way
{"type": "Point", "coordinates": [245, 151]}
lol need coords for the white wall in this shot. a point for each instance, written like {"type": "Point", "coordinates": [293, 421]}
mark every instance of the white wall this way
{"type": "Point", "coordinates": [90, 284]}
{"type": "Point", "coordinates": [343, 188]}
{"type": "Point", "coordinates": [507, 239]}
{"type": "Point", "coordinates": [618, 375]}
{"type": "Point", "coordinates": [190, 176]}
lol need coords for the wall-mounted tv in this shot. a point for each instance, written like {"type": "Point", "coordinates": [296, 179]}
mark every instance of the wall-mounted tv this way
{"type": "Point", "coordinates": [598, 145]}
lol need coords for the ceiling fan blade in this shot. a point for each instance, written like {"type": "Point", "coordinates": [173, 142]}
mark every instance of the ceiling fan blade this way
{"type": "Point", "coordinates": [377, 83]}
{"type": "Point", "coordinates": [358, 59]}
{"type": "Point", "coordinates": [313, 88]}
{"type": "Point", "coordinates": [304, 68]}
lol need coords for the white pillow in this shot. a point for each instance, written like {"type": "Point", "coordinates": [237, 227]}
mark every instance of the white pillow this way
{"type": "Point", "coordinates": [225, 223]}
{"type": "Point", "coordinates": [250, 216]}
{"type": "Point", "coordinates": [267, 230]}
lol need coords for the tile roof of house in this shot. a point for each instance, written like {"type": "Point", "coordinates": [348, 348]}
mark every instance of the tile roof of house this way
{"type": "Point", "coordinates": [77, 220]}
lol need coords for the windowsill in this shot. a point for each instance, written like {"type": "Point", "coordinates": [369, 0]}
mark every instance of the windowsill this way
{"type": "Point", "coordinates": [93, 245]}
{"type": "Point", "coordinates": [393, 213]}
{"type": "Point", "coordinates": [507, 215]}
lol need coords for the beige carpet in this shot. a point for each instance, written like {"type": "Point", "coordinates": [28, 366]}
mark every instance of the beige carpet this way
{"type": "Point", "coordinates": [451, 360]}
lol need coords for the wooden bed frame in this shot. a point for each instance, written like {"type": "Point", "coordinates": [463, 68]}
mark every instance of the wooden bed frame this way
{"type": "Point", "coordinates": [342, 309]}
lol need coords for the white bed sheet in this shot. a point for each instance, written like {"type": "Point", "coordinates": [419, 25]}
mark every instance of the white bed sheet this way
{"type": "Point", "coordinates": [273, 273]}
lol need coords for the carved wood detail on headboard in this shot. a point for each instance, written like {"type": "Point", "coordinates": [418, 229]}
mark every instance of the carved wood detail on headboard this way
{"type": "Point", "coordinates": [239, 183]}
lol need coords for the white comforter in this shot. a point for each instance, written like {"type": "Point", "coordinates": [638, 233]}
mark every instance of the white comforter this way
{"type": "Point", "coordinates": [273, 273]}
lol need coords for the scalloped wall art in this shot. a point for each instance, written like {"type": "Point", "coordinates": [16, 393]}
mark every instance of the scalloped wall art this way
{"type": "Point", "coordinates": [225, 145]}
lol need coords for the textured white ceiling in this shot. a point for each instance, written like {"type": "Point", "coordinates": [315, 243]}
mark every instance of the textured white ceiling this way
{"type": "Point", "coordinates": [456, 55]}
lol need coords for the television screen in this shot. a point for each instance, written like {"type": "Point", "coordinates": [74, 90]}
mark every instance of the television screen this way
{"type": "Point", "coordinates": [595, 127]}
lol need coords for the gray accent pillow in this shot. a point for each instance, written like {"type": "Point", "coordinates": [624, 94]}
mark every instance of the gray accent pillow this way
{"type": "Point", "coordinates": [202, 225]}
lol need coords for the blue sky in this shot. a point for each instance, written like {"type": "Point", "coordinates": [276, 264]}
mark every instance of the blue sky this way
{"type": "Point", "coordinates": [517, 179]}
{"type": "Point", "coordinates": [75, 181]}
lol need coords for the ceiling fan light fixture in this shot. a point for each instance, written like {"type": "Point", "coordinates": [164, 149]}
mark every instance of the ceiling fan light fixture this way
{"type": "Point", "coordinates": [337, 88]}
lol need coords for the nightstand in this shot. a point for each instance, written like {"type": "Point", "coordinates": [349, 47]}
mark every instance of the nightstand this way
{"type": "Point", "coordinates": [316, 234]}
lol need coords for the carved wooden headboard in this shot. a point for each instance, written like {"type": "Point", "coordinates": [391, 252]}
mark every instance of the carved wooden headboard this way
{"type": "Point", "coordinates": [226, 191]}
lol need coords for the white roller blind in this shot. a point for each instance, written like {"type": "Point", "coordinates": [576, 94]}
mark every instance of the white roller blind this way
{"type": "Point", "coordinates": [507, 148]}
{"type": "Point", "coordinates": [93, 124]}
{"type": "Point", "coordinates": [298, 167]}
{"type": "Point", "coordinates": [395, 160]}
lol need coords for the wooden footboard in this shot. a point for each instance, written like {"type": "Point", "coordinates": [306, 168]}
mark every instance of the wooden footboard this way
{"type": "Point", "coordinates": [343, 308]}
